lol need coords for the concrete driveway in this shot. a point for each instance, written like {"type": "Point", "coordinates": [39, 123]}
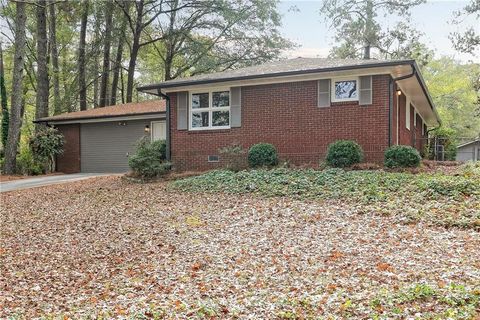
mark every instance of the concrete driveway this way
{"type": "Point", "coordinates": [45, 181]}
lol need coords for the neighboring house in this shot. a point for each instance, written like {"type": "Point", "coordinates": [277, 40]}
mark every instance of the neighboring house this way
{"type": "Point", "coordinates": [299, 105]}
{"type": "Point", "coordinates": [101, 139]}
{"type": "Point", "coordinates": [469, 151]}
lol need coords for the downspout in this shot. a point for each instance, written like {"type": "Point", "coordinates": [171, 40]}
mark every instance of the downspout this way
{"type": "Point", "coordinates": [167, 122]}
{"type": "Point", "coordinates": [390, 100]}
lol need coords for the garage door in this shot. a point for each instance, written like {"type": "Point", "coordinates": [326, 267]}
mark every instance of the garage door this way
{"type": "Point", "coordinates": [106, 146]}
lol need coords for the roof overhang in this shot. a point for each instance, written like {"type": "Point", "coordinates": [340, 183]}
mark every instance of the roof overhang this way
{"type": "Point", "coordinates": [413, 86]}
{"type": "Point", "coordinates": [477, 141]}
{"type": "Point", "coordinates": [155, 115]}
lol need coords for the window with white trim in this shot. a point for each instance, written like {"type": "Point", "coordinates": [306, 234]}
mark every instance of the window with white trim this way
{"type": "Point", "coordinates": [344, 89]}
{"type": "Point", "coordinates": [407, 114]}
{"type": "Point", "coordinates": [210, 109]}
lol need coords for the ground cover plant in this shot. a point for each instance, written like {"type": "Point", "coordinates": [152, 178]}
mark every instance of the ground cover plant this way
{"type": "Point", "coordinates": [450, 200]}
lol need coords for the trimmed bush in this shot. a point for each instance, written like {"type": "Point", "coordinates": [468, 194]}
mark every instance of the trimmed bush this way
{"type": "Point", "coordinates": [149, 159]}
{"type": "Point", "coordinates": [402, 157]}
{"type": "Point", "coordinates": [344, 153]}
{"type": "Point", "coordinates": [262, 155]}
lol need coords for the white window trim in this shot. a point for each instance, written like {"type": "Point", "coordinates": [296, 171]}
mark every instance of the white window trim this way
{"type": "Point", "coordinates": [210, 109]}
{"type": "Point", "coordinates": [332, 88]}
{"type": "Point", "coordinates": [407, 113]}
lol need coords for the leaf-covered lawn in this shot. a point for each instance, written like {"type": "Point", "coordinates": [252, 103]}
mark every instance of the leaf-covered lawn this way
{"type": "Point", "coordinates": [107, 248]}
{"type": "Point", "coordinates": [441, 199]}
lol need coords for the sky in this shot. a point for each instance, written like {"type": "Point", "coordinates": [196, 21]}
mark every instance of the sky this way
{"type": "Point", "coordinates": [308, 29]}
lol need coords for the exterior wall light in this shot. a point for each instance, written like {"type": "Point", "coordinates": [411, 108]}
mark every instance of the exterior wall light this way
{"type": "Point", "coordinates": [399, 92]}
{"type": "Point", "coordinates": [147, 128]}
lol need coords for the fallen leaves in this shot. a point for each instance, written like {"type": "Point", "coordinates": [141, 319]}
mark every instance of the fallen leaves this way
{"type": "Point", "coordinates": [108, 248]}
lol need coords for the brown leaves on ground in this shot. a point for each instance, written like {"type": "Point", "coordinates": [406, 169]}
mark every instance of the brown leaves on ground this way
{"type": "Point", "coordinates": [108, 248]}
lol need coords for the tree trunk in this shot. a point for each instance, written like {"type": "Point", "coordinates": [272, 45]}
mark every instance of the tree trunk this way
{"type": "Point", "coordinates": [57, 107]}
{"type": "Point", "coordinates": [131, 69]}
{"type": "Point", "coordinates": [17, 89]}
{"type": "Point", "coordinates": [134, 50]}
{"type": "Point", "coordinates": [369, 33]}
{"type": "Point", "coordinates": [82, 85]}
{"type": "Point", "coordinates": [122, 88]}
{"type": "Point", "coordinates": [3, 97]}
{"type": "Point", "coordinates": [118, 59]}
{"type": "Point", "coordinates": [41, 103]}
{"type": "Point", "coordinates": [106, 54]}
{"type": "Point", "coordinates": [116, 70]}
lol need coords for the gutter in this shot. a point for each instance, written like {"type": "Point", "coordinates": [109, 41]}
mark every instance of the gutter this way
{"type": "Point", "coordinates": [79, 119]}
{"type": "Point", "coordinates": [167, 124]}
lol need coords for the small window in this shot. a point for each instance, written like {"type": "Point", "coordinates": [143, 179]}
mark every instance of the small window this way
{"type": "Point", "coordinates": [345, 90]}
{"type": "Point", "coordinates": [210, 110]}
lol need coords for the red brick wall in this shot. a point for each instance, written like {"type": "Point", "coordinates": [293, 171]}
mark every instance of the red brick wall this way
{"type": "Point", "coordinates": [69, 161]}
{"type": "Point", "coordinates": [287, 116]}
{"type": "Point", "coordinates": [412, 137]}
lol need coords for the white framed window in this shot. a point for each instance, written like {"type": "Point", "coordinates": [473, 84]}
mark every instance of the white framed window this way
{"type": "Point", "coordinates": [210, 109]}
{"type": "Point", "coordinates": [345, 89]}
{"type": "Point", "coordinates": [407, 114]}
{"type": "Point", "coordinates": [158, 130]}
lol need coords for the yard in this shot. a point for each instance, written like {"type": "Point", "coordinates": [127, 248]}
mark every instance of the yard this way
{"type": "Point", "coordinates": [305, 244]}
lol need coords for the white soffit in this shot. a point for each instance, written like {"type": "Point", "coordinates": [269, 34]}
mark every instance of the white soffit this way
{"type": "Point", "coordinates": [412, 88]}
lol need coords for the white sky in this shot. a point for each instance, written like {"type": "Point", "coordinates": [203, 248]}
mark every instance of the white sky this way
{"type": "Point", "coordinates": [309, 30]}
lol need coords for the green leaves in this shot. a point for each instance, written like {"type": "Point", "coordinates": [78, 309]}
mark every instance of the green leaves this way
{"type": "Point", "coordinates": [402, 157]}
{"type": "Point", "coordinates": [149, 160]}
{"type": "Point", "coordinates": [344, 153]}
{"type": "Point", "coordinates": [434, 198]}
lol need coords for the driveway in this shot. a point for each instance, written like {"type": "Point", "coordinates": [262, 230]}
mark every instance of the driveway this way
{"type": "Point", "coordinates": [45, 181]}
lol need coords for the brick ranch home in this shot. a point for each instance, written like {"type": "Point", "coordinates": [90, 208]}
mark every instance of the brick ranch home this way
{"type": "Point", "coordinates": [299, 105]}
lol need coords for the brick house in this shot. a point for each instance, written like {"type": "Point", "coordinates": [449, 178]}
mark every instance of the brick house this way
{"type": "Point", "coordinates": [300, 106]}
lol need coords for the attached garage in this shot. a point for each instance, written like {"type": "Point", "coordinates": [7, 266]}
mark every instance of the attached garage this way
{"type": "Point", "coordinates": [101, 140]}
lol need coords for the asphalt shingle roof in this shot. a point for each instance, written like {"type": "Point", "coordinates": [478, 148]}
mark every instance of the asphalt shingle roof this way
{"type": "Point", "coordinates": [128, 109]}
{"type": "Point", "coordinates": [297, 66]}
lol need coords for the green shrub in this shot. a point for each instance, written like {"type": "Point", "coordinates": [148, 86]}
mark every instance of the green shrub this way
{"type": "Point", "coordinates": [149, 159]}
{"type": "Point", "coordinates": [46, 144]}
{"type": "Point", "coordinates": [262, 155]}
{"type": "Point", "coordinates": [344, 153]}
{"type": "Point", "coordinates": [402, 157]}
{"type": "Point", "coordinates": [26, 162]}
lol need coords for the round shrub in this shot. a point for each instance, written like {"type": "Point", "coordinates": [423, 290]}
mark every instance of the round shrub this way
{"type": "Point", "coordinates": [402, 157]}
{"type": "Point", "coordinates": [262, 155]}
{"type": "Point", "coordinates": [344, 153]}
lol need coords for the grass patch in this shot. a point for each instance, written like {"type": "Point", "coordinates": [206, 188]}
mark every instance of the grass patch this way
{"type": "Point", "coordinates": [452, 200]}
{"type": "Point", "coordinates": [432, 302]}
